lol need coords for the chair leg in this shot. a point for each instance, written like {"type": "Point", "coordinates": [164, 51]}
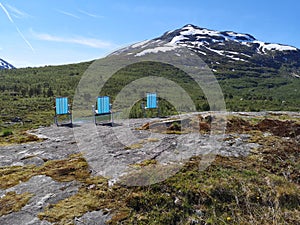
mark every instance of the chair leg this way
{"type": "Point", "coordinates": [55, 120]}
{"type": "Point", "coordinates": [71, 119]}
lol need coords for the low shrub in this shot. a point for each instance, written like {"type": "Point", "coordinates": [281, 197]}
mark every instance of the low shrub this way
{"type": "Point", "coordinates": [6, 133]}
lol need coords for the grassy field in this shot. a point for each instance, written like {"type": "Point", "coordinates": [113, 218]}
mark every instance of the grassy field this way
{"type": "Point", "coordinates": [27, 95]}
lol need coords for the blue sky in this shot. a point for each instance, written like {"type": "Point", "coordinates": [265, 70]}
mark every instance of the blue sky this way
{"type": "Point", "coordinates": [52, 32]}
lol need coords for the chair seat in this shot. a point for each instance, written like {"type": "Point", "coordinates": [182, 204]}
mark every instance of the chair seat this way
{"type": "Point", "coordinates": [62, 107]}
{"type": "Point", "coordinates": [103, 107]}
{"type": "Point", "coordinates": [67, 113]}
{"type": "Point", "coordinates": [151, 101]}
{"type": "Point", "coordinates": [96, 113]}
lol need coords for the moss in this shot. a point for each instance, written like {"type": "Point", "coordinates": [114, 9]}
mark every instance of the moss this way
{"type": "Point", "coordinates": [140, 143]}
{"type": "Point", "coordinates": [145, 163]}
{"type": "Point", "coordinates": [93, 195]}
{"type": "Point", "coordinates": [134, 146]}
{"type": "Point", "coordinates": [74, 206]}
{"type": "Point", "coordinates": [119, 217]}
{"type": "Point", "coordinates": [13, 175]}
{"type": "Point", "coordinates": [73, 168]}
{"type": "Point", "coordinates": [17, 137]}
{"type": "Point", "coordinates": [174, 132]}
{"type": "Point", "coordinates": [152, 139]}
{"type": "Point", "coordinates": [13, 202]}
{"type": "Point", "coordinates": [6, 133]}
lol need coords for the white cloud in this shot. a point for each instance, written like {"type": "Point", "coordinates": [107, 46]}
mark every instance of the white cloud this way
{"type": "Point", "coordinates": [90, 14]}
{"type": "Point", "coordinates": [68, 14]}
{"type": "Point", "coordinates": [7, 13]}
{"type": "Point", "coordinates": [90, 42]}
{"type": "Point", "coordinates": [16, 12]}
{"type": "Point", "coordinates": [17, 28]}
{"type": "Point", "coordinates": [23, 37]}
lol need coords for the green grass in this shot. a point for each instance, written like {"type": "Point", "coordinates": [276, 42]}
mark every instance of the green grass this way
{"type": "Point", "coordinates": [28, 93]}
{"type": "Point", "coordinates": [6, 133]}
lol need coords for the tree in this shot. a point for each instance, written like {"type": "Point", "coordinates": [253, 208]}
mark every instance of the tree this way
{"type": "Point", "coordinates": [31, 92]}
{"type": "Point", "coordinates": [205, 107]}
{"type": "Point", "coordinates": [50, 92]}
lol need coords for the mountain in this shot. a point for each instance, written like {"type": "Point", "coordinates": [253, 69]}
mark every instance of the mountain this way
{"type": "Point", "coordinates": [5, 65]}
{"type": "Point", "coordinates": [231, 54]}
{"type": "Point", "coordinates": [254, 75]}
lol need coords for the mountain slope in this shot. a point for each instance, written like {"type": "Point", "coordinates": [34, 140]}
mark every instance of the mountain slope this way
{"type": "Point", "coordinates": [253, 75]}
{"type": "Point", "coordinates": [228, 51]}
{"type": "Point", "coordinates": [5, 65]}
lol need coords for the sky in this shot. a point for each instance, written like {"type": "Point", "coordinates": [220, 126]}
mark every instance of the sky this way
{"type": "Point", "coordinates": [55, 32]}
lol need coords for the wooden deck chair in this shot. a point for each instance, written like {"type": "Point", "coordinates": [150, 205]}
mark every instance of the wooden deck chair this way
{"type": "Point", "coordinates": [103, 108]}
{"type": "Point", "coordinates": [62, 108]}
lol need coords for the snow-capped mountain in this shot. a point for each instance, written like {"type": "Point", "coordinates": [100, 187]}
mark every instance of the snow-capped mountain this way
{"type": "Point", "coordinates": [193, 36]}
{"type": "Point", "coordinates": [225, 50]}
{"type": "Point", "coordinates": [5, 65]}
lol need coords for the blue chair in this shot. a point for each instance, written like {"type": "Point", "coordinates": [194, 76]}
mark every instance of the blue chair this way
{"type": "Point", "coordinates": [62, 107]}
{"type": "Point", "coordinates": [151, 101]}
{"type": "Point", "coordinates": [103, 107]}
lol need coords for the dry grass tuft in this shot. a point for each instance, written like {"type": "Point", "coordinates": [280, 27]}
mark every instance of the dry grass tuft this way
{"type": "Point", "coordinates": [13, 202]}
{"type": "Point", "coordinates": [73, 168]}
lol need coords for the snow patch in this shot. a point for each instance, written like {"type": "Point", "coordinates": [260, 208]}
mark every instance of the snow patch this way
{"type": "Point", "coordinates": [178, 39]}
{"type": "Point", "coordinates": [265, 46]}
{"type": "Point", "coordinates": [189, 30]}
{"type": "Point", "coordinates": [140, 44]}
{"type": "Point", "coordinates": [5, 65]}
{"type": "Point", "coordinates": [233, 53]}
{"type": "Point", "coordinates": [156, 50]}
{"type": "Point", "coordinates": [203, 53]}
{"type": "Point", "coordinates": [249, 56]}
{"type": "Point", "coordinates": [237, 34]}
{"type": "Point", "coordinates": [295, 75]}
{"type": "Point", "coordinates": [248, 44]}
{"type": "Point", "coordinates": [236, 59]}
{"type": "Point", "coordinates": [219, 52]}
{"type": "Point", "coordinates": [234, 36]}
{"type": "Point", "coordinates": [279, 47]}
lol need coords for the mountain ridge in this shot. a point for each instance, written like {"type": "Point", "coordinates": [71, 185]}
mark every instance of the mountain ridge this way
{"type": "Point", "coordinates": [5, 65]}
{"type": "Point", "coordinates": [224, 51]}
{"type": "Point", "coordinates": [191, 29]}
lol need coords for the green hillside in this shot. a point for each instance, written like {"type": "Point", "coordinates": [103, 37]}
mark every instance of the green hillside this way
{"type": "Point", "coordinates": [28, 93]}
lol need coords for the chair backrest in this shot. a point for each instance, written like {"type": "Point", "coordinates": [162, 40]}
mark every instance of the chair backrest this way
{"type": "Point", "coordinates": [151, 101]}
{"type": "Point", "coordinates": [103, 105]}
{"type": "Point", "coordinates": [61, 105]}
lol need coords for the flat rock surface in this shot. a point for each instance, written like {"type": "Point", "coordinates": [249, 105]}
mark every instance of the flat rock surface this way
{"type": "Point", "coordinates": [110, 152]}
{"type": "Point", "coordinates": [46, 191]}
